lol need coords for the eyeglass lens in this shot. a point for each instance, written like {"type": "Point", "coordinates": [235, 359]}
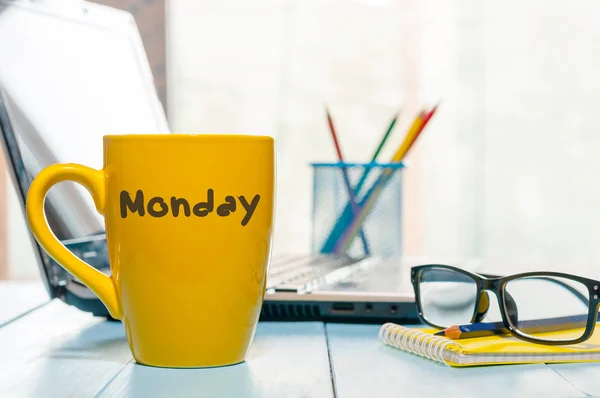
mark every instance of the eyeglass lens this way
{"type": "Point", "coordinates": [447, 297]}
{"type": "Point", "coordinates": [548, 308]}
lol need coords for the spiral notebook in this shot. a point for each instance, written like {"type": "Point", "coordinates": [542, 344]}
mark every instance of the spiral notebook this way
{"type": "Point", "coordinates": [489, 350]}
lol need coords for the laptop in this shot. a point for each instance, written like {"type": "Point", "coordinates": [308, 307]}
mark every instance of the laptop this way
{"type": "Point", "coordinates": [79, 71]}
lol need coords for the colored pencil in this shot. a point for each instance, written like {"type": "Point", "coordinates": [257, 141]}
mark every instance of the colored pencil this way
{"type": "Point", "coordinates": [412, 135]}
{"type": "Point", "coordinates": [427, 117]}
{"type": "Point", "coordinates": [335, 242]}
{"type": "Point", "coordinates": [545, 325]}
{"type": "Point", "coordinates": [351, 196]}
{"type": "Point", "coordinates": [347, 213]}
{"type": "Point", "coordinates": [473, 330]}
{"type": "Point", "coordinates": [371, 197]}
{"type": "Point", "coordinates": [384, 139]}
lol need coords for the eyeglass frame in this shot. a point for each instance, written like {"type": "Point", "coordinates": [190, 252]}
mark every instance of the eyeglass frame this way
{"type": "Point", "coordinates": [497, 285]}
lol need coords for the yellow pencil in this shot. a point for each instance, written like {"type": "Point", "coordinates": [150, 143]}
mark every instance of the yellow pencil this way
{"type": "Point", "coordinates": [410, 138]}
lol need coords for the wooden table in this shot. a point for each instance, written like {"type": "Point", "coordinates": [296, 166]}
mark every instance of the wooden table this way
{"type": "Point", "coordinates": [48, 349]}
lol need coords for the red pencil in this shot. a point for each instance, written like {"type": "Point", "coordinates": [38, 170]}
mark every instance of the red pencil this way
{"type": "Point", "coordinates": [336, 143]}
{"type": "Point", "coordinates": [425, 121]}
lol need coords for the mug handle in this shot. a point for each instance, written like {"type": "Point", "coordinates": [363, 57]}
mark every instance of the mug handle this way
{"type": "Point", "coordinates": [93, 180]}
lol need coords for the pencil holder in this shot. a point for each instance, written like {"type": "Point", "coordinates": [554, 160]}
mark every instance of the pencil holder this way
{"type": "Point", "coordinates": [357, 209]}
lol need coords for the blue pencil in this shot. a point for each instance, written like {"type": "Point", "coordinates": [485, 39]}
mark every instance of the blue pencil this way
{"type": "Point", "coordinates": [351, 195]}
{"type": "Point", "coordinates": [533, 326]}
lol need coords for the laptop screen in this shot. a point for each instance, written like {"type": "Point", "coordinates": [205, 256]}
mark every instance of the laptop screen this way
{"type": "Point", "coordinates": [76, 73]}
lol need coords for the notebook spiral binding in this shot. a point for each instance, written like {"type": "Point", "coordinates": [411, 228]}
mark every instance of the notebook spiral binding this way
{"type": "Point", "coordinates": [417, 342]}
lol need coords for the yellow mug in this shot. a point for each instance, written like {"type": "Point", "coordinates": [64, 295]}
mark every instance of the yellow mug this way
{"type": "Point", "coordinates": [189, 228]}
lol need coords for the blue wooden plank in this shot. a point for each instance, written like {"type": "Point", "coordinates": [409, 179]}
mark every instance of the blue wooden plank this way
{"type": "Point", "coordinates": [363, 366]}
{"type": "Point", "coordinates": [18, 298]}
{"type": "Point", "coordinates": [59, 351]}
{"type": "Point", "coordinates": [584, 376]}
{"type": "Point", "coordinates": [286, 360]}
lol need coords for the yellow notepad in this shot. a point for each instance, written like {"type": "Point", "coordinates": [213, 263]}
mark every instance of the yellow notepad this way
{"type": "Point", "coordinates": [489, 350]}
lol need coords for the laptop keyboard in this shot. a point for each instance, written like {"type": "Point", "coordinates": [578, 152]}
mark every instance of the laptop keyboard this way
{"type": "Point", "coordinates": [287, 273]}
{"type": "Point", "coordinates": [299, 274]}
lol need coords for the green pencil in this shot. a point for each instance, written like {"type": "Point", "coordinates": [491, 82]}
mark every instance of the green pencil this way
{"type": "Point", "coordinates": [385, 137]}
{"type": "Point", "coordinates": [376, 154]}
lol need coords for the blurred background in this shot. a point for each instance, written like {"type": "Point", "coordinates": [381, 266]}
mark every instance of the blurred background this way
{"type": "Point", "coordinates": [507, 170]}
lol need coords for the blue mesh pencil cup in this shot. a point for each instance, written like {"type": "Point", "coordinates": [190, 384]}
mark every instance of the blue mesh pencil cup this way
{"type": "Point", "coordinates": [357, 209]}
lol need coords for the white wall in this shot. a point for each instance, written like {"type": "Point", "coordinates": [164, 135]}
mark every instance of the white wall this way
{"type": "Point", "coordinates": [541, 164]}
{"type": "Point", "coordinates": [506, 171]}
{"type": "Point", "coordinates": [270, 67]}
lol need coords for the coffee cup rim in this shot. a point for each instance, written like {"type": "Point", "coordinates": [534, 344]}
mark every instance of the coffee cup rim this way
{"type": "Point", "coordinates": [178, 136]}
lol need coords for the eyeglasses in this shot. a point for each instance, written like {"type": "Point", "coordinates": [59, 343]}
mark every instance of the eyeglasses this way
{"type": "Point", "coordinates": [541, 307]}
